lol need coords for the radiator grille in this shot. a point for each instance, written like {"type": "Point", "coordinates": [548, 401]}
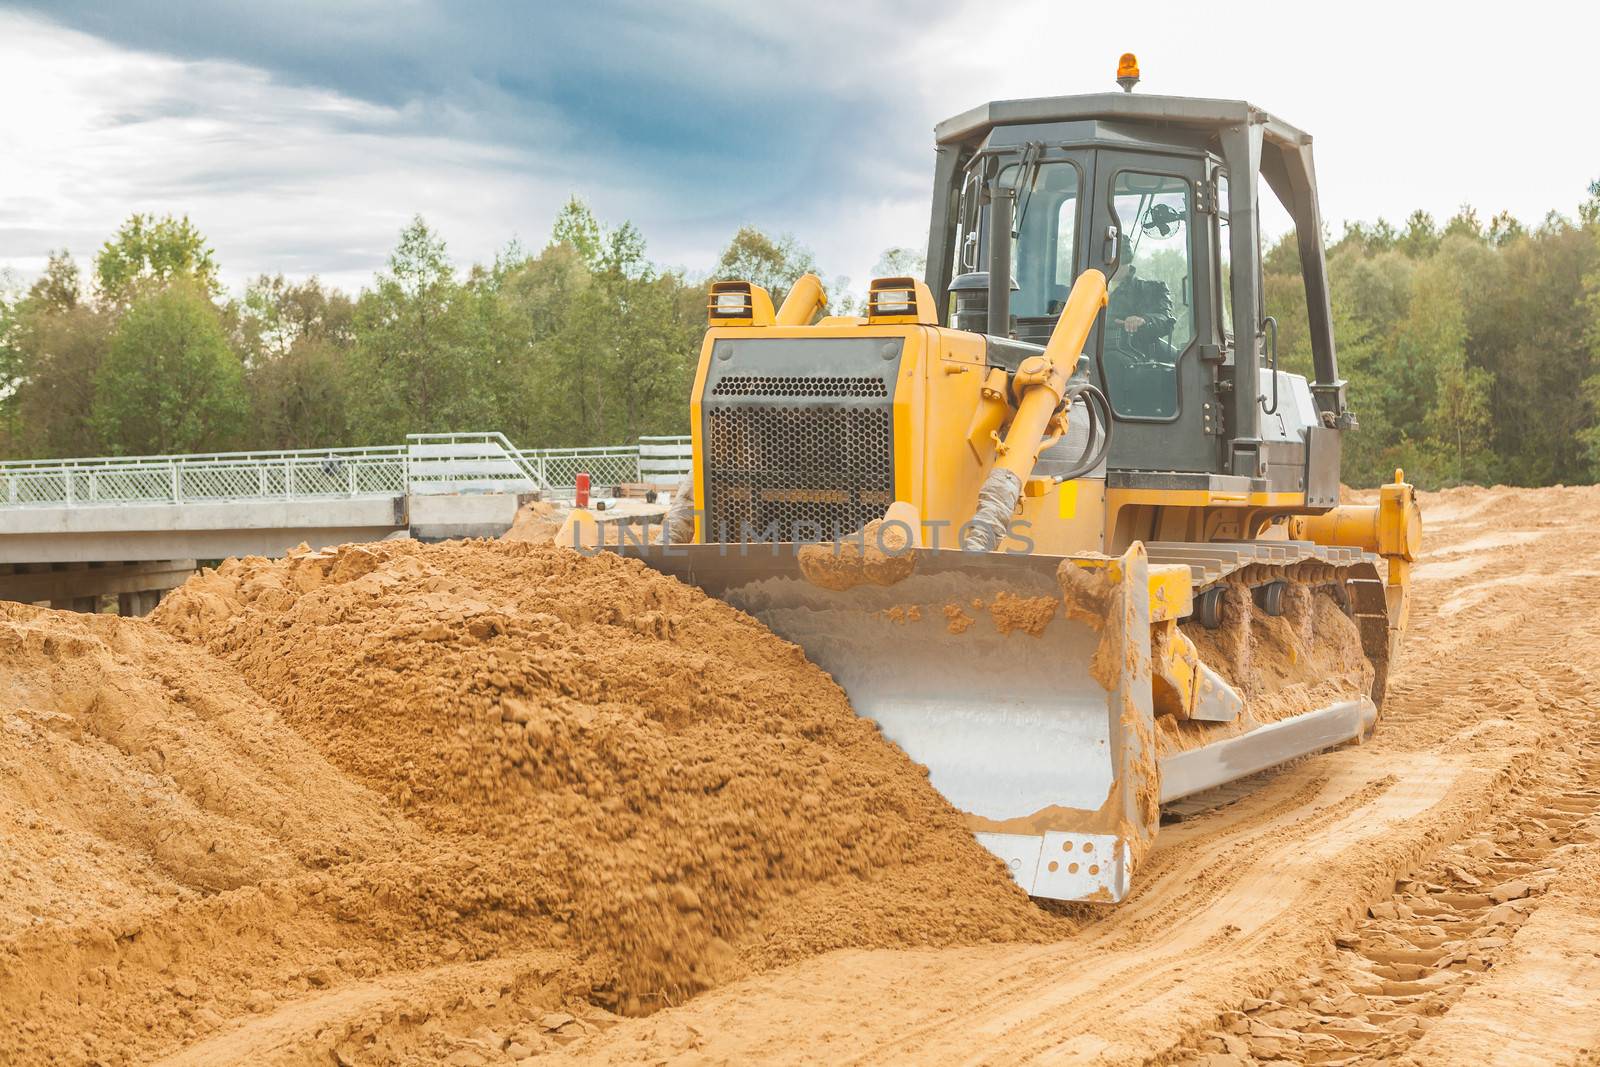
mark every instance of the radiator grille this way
{"type": "Point", "coordinates": [774, 385]}
{"type": "Point", "coordinates": [796, 473]}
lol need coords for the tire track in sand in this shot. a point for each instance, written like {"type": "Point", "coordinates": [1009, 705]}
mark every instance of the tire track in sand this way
{"type": "Point", "coordinates": [1407, 983]}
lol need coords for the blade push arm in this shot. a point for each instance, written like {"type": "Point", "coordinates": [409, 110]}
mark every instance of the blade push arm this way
{"type": "Point", "coordinates": [1041, 385]}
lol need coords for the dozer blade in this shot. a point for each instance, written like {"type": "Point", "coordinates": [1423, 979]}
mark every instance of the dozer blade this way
{"type": "Point", "coordinates": [1032, 719]}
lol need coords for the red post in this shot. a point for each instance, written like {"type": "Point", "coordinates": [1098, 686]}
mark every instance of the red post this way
{"type": "Point", "coordinates": [582, 487]}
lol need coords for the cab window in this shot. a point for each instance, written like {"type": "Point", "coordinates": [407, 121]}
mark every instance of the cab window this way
{"type": "Point", "coordinates": [1044, 250]}
{"type": "Point", "coordinates": [1150, 315]}
{"type": "Point", "coordinates": [1043, 253]}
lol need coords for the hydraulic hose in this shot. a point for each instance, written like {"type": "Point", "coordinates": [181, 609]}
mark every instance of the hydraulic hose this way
{"type": "Point", "coordinates": [1098, 411]}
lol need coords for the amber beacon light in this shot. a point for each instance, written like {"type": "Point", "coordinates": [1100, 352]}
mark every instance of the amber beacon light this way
{"type": "Point", "coordinates": [1128, 71]}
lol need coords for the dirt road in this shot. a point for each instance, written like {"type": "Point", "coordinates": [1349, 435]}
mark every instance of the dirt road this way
{"type": "Point", "coordinates": [1432, 894]}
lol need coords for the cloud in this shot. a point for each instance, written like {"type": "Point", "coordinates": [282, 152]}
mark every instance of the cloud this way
{"type": "Point", "coordinates": [273, 124]}
{"type": "Point", "coordinates": [300, 136]}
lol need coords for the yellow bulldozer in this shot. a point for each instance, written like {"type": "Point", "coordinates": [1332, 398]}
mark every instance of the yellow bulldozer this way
{"type": "Point", "coordinates": [1052, 516]}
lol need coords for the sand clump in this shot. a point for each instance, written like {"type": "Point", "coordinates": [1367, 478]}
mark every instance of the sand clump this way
{"type": "Point", "coordinates": [880, 553]}
{"type": "Point", "coordinates": [538, 521]}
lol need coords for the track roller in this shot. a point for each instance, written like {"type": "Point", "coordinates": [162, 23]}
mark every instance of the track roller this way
{"type": "Point", "coordinates": [1208, 607]}
{"type": "Point", "coordinates": [1269, 597]}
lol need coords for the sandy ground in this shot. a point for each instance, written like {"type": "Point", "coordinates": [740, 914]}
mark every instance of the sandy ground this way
{"type": "Point", "coordinates": [219, 852]}
{"type": "Point", "coordinates": [1430, 897]}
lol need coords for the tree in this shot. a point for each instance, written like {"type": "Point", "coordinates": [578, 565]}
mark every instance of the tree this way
{"type": "Point", "coordinates": [576, 227]}
{"type": "Point", "coordinates": [1460, 419]}
{"type": "Point", "coordinates": [415, 365]}
{"type": "Point", "coordinates": [772, 263]}
{"type": "Point", "coordinates": [295, 340]}
{"type": "Point", "coordinates": [1589, 210]}
{"type": "Point", "coordinates": [1464, 223]}
{"type": "Point", "coordinates": [169, 381]}
{"type": "Point", "coordinates": [149, 250]}
{"type": "Point", "coordinates": [589, 343]}
{"type": "Point", "coordinates": [12, 362]}
{"type": "Point", "coordinates": [1504, 228]}
{"type": "Point", "coordinates": [51, 348]}
{"type": "Point", "coordinates": [1420, 238]}
{"type": "Point", "coordinates": [60, 287]}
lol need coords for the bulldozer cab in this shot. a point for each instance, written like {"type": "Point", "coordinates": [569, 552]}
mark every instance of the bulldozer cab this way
{"type": "Point", "coordinates": [1161, 194]}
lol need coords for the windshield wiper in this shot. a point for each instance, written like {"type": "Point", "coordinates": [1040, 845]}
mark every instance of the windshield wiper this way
{"type": "Point", "coordinates": [1029, 166]}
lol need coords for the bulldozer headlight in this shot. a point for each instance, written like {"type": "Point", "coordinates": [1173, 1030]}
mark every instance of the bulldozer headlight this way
{"type": "Point", "coordinates": [738, 304]}
{"type": "Point", "coordinates": [900, 300]}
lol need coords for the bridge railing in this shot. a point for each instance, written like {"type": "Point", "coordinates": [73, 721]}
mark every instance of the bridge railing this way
{"type": "Point", "coordinates": [559, 467]}
{"type": "Point", "coordinates": [330, 472]}
{"type": "Point", "coordinates": [483, 462]}
{"type": "Point", "coordinates": [427, 464]}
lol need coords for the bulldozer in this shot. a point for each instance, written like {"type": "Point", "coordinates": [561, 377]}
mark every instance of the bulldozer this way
{"type": "Point", "coordinates": [1051, 515]}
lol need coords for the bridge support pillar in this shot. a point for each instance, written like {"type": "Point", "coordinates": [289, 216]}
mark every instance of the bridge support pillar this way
{"type": "Point", "coordinates": [138, 587]}
{"type": "Point", "coordinates": [140, 603]}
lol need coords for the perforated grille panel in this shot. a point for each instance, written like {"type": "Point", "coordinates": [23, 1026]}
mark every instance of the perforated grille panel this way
{"type": "Point", "coordinates": [773, 385]}
{"type": "Point", "coordinates": [798, 438]}
{"type": "Point", "coordinates": [797, 473]}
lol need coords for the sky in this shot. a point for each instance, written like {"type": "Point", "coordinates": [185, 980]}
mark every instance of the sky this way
{"type": "Point", "coordinates": [300, 136]}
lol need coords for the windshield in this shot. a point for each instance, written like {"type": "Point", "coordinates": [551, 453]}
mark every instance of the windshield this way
{"type": "Point", "coordinates": [1044, 251]}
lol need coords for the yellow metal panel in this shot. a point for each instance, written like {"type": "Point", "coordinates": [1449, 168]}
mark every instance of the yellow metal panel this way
{"type": "Point", "coordinates": [1067, 500]}
{"type": "Point", "coordinates": [1047, 532]}
{"type": "Point", "coordinates": [908, 408]}
{"type": "Point", "coordinates": [1201, 498]}
{"type": "Point", "coordinates": [1171, 591]}
{"type": "Point", "coordinates": [697, 446]}
{"type": "Point", "coordinates": [950, 470]}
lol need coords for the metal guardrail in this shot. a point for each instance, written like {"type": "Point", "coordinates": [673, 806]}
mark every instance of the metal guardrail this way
{"type": "Point", "coordinates": [334, 472]}
{"type": "Point", "coordinates": [428, 463]}
{"type": "Point", "coordinates": [665, 459]}
{"type": "Point", "coordinates": [467, 463]}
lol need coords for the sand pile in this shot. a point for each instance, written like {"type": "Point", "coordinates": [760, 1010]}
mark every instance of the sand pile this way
{"type": "Point", "coordinates": [1307, 658]}
{"type": "Point", "coordinates": [352, 768]}
{"type": "Point", "coordinates": [537, 520]}
{"type": "Point", "coordinates": [630, 764]}
{"type": "Point", "coordinates": [168, 845]}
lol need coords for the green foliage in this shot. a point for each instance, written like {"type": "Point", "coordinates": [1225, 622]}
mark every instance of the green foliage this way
{"type": "Point", "coordinates": [586, 343]}
{"type": "Point", "coordinates": [1589, 210]}
{"type": "Point", "coordinates": [169, 381]}
{"type": "Point", "coordinates": [415, 365]}
{"type": "Point", "coordinates": [293, 339]}
{"type": "Point", "coordinates": [577, 228]}
{"type": "Point", "coordinates": [1472, 351]}
{"type": "Point", "coordinates": [51, 346]}
{"type": "Point", "coordinates": [592, 344]}
{"type": "Point", "coordinates": [150, 250]}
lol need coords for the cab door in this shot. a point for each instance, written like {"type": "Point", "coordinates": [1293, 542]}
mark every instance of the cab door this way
{"type": "Point", "coordinates": [1151, 234]}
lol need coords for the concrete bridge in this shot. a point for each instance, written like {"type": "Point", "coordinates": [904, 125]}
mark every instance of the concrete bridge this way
{"type": "Point", "coordinates": [73, 531]}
